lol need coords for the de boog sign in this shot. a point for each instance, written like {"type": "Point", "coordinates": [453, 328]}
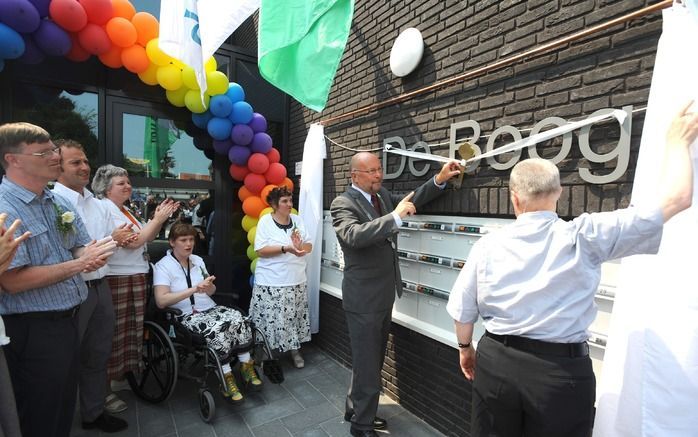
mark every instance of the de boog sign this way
{"type": "Point", "coordinates": [621, 152]}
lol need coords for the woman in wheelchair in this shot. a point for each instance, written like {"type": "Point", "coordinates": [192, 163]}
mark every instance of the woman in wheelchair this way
{"type": "Point", "coordinates": [181, 281]}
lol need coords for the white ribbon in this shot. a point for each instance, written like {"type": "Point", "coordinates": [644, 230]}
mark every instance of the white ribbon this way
{"type": "Point", "coordinates": [618, 114]}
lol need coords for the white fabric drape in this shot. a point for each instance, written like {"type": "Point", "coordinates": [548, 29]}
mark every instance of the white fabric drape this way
{"type": "Point", "coordinates": [649, 383]}
{"type": "Point", "coordinates": [310, 210]}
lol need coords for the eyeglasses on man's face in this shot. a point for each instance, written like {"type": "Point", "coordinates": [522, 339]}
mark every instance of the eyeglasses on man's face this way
{"type": "Point", "coordinates": [370, 171]}
{"type": "Point", "coordinates": [45, 154]}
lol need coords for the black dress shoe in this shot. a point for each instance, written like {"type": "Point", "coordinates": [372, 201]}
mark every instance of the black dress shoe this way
{"type": "Point", "coordinates": [106, 423]}
{"type": "Point", "coordinates": [378, 422]}
{"type": "Point", "coordinates": [362, 432]}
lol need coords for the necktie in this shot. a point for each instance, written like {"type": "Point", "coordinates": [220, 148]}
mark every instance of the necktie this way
{"type": "Point", "coordinates": [376, 204]}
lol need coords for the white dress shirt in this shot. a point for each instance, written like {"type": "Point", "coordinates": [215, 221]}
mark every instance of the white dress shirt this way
{"type": "Point", "coordinates": [537, 277]}
{"type": "Point", "coordinates": [95, 217]}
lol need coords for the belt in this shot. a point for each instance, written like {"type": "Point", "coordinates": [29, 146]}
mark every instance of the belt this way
{"type": "Point", "coordinates": [49, 315]}
{"type": "Point", "coordinates": [571, 350]}
{"type": "Point", "coordinates": [93, 282]}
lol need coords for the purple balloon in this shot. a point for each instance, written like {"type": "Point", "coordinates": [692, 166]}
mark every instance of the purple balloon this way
{"type": "Point", "coordinates": [20, 15]}
{"type": "Point", "coordinates": [53, 40]}
{"type": "Point", "coordinates": [238, 155]}
{"type": "Point", "coordinates": [222, 147]}
{"type": "Point", "coordinates": [242, 134]}
{"type": "Point", "coordinates": [32, 53]}
{"type": "Point", "coordinates": [258, 123]}
{"type": "Point", "coordinates": [261, 143]}
{"type": "Point", "coordinates": [41, 7]}
{"type": "Point", "coordinates": [11, 43]}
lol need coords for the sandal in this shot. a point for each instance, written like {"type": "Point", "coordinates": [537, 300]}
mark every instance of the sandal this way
{"type": "Point", "coordinates": [112, 404]}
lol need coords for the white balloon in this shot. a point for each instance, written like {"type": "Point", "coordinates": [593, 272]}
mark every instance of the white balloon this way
{"type": "Point", "coordinates": [406, 52]}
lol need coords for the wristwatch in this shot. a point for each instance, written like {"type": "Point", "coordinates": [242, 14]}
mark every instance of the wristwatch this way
{"type": "Point", "coordinates": [464, 345]}
{"type": "Point", "coordinates": [283, 249]}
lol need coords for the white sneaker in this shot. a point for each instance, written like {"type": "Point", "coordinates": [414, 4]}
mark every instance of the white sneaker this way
{"type": "Point", "coordinates": [112, 404]}
{"type": "Point", "coordinates": [121, 385]}
{"type": "Point", "coordinates": [298, 361]}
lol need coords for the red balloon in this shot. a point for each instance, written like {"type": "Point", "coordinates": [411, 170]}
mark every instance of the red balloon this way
{"type": "Point", "coordinates": [112, 57]}
{"type": "Point", "coordinates": [258, 163]}
{"type": "Point", "coordinates": [94, 39]}
{"type": "Point", "coordinates": [98, 11]}
{"type": "Point", "coordinates": [238, 172]}
{"type": "Point", "coordinates": [69, 14]}
{"type": "Point", "coordinates": [255, 182]}
{"type": "Point", "coordinates": [274, 156]}
{"type": "Point", "coordinates": [77, 53]}
{"type": "Point", "coordinates": [276, 173]}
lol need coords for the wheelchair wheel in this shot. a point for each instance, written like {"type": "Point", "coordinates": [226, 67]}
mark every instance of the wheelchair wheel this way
{"type": "Point", "coordinates": [207, 405]}
{"type": "Point", "coordinates": [157, 377]}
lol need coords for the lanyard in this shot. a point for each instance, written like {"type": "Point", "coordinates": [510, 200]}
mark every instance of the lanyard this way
{"type": "Point", "coordinates": [187, 275]}
{"type": "Point", "coordinates": [130, 217]}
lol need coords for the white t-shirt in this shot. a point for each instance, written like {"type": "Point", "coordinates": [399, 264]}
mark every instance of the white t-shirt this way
{"type": "Point", "coordinates": [168, 271]}
{"type": "Point", "coordinates": [282, 269]}
{"type": "Point", "coordinates": [125, 261]}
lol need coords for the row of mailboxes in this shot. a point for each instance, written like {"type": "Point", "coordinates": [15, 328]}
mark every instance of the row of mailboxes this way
{"type": "Point", "coordinates": [432, 251]}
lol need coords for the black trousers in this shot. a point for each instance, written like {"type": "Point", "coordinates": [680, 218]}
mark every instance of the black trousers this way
{"type": "Point", "coordinates": [43, 361]}
{"type": "Point", "coordinates": [518, 393]}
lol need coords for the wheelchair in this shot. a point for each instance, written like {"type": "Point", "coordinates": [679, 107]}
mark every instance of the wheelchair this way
{"type": "Point", "coordinates": [171, 351]}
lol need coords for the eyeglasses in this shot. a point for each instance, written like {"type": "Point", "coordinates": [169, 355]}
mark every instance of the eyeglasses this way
{"type": "Point", "coordinates": [370, 171]}
{"type": "Point", "coordinates": [46, 154]}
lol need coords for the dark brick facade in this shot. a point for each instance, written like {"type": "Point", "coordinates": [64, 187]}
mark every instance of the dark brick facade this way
{"type": "Point", "coordinates": [610, 69]}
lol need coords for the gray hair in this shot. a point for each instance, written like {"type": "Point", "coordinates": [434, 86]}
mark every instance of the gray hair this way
{"type": "Point", "coordinates": [13, 135]}
{"type": "Point", "coordinates": [102, 181]}
{"type": "Point", "coordinates": [535, 177]}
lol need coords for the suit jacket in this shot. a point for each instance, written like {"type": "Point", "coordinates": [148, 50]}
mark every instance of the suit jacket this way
{"type": "Point", "coordinates": [369, 242]}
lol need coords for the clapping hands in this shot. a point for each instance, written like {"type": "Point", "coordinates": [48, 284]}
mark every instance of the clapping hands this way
{"type": "Point", "coordinates": [8, 242]}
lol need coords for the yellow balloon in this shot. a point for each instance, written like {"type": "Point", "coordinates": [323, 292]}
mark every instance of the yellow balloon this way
{"type": "Point", "coordinates": [193, 101]}
{"type": "Point", "coordinates": [249, 222]}
{"type": "Point", "coordinates": [176, 97]}
{"type": "Point", "coordinates": [294, 211]}
{"type": "Point", "coordinates": [169, 77]}
{"type": "Point", "coordinates": [189, 78]}
{"type": "Point", "coordinates": [251, 234]}
{"type": "Point", "coordinates": [156, 56]}
{"type": "Point", "coordinates": [149, 76]}
{"type": "Point", "coordinates": [253, 265]}
{"type": "Point", "coordinates": [211, 64]}
{"type": "Point", "coordinates": [251, 253]}
{"type": "Point", "coordinates": [265, 211]}
{"type": "Point", "coordinates": [216, 83]}
{"type": "Point", "coordinates": [177, 63]}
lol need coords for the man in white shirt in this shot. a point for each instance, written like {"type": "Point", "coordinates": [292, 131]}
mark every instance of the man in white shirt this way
{"type": "Point", "coordinates": [533, 283]}
{"type": "Point", "coordinates": [96, 316]}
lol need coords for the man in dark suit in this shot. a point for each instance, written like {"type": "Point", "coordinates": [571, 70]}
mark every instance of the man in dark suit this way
{"type": "Point", "coordinates": [366, 220]}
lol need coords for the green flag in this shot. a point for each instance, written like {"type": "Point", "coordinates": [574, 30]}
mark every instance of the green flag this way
{"type": "Point", "coordinates": [300, 45]}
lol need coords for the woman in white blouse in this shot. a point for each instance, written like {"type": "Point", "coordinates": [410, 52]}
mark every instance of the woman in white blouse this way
{"type": "Point", "coordinates": [279, 305]}
{"type": "Point", "coordinates": [128, 268]}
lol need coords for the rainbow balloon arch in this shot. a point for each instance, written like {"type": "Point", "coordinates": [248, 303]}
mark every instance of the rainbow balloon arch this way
{"type": "Point", "coordinates": [120, 37]}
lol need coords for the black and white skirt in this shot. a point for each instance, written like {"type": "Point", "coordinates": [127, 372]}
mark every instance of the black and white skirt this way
{"type": "Point", "coordinates": [281, 313]}
{"type": "Point", "coordinates": [223, 328]}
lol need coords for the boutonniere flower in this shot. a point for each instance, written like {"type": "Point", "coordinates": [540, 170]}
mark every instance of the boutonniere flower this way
{"type": "Point", "coordinates": [64, 220]}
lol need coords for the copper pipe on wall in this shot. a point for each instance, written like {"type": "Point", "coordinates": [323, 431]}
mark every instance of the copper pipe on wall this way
{"type": "Point", "coordinates": [501, 63]}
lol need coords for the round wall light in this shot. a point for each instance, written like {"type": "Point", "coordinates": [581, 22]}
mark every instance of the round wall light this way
{"type": "Point", "coordinates": [406, 52]}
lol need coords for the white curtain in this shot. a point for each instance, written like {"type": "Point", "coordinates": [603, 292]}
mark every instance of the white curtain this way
{"type": "Point", "coordinates": [649, 383]}
{"type": "Point", "coordinates": [310, 210]}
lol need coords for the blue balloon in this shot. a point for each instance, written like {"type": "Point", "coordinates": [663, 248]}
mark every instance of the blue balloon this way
{"type": "Point", "coordinates": [220, 105]}
{"type": "Point", "coordinates": [11, 43]}
{"type": "Point", "coordinates": [41, 6]}
{"type": "Point", "coordinates": [235, 92]}
{"type": "Point", "coordinates": [242, 113]}
{"type": "Point", "coordinates": [219, 128]}
{"type": "Point", "coordinates": [201, 120]}
{"type": "Point", "coordinates": [51, 39]}
{"type": "Point", "coordinates": [20, 15]}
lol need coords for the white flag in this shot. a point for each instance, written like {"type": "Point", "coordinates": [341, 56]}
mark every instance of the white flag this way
{"type": "Point", "coordinates": [219, 19]}
{"type": "Point", "coordinates": [180, 31]}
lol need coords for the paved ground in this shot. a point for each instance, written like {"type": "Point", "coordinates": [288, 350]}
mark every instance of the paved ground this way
{"type": "Point", "coordinates": [310, 403]}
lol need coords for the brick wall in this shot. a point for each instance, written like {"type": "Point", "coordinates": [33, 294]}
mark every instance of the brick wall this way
{"type": "Point", "coordinates": [419, 373]}
{"type": "Point", "coordinates": [609, 69]}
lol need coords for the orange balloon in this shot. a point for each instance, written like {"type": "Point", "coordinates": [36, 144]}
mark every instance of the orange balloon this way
{"type": "Point", "coordinates": [252, 206]}
{"type": "Point", "coordinates": [244, 193]}
{"type": "Point", "coordinates": [288, 183]}
{"type": "Point", "coordinates": [150, 75]}
{"type": "Point", "coordinates": [265, 192]}
{"type": "Point", "coordinates": [121, 32]}
{"type": "Point", "coordinates": [123, 8]}
{"type": "Point", "coordinates": [147, 27]}
{"type": "Point", "coordinates": [134, 59]}
{"type": "Point", "coordinates": [112, 57]}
